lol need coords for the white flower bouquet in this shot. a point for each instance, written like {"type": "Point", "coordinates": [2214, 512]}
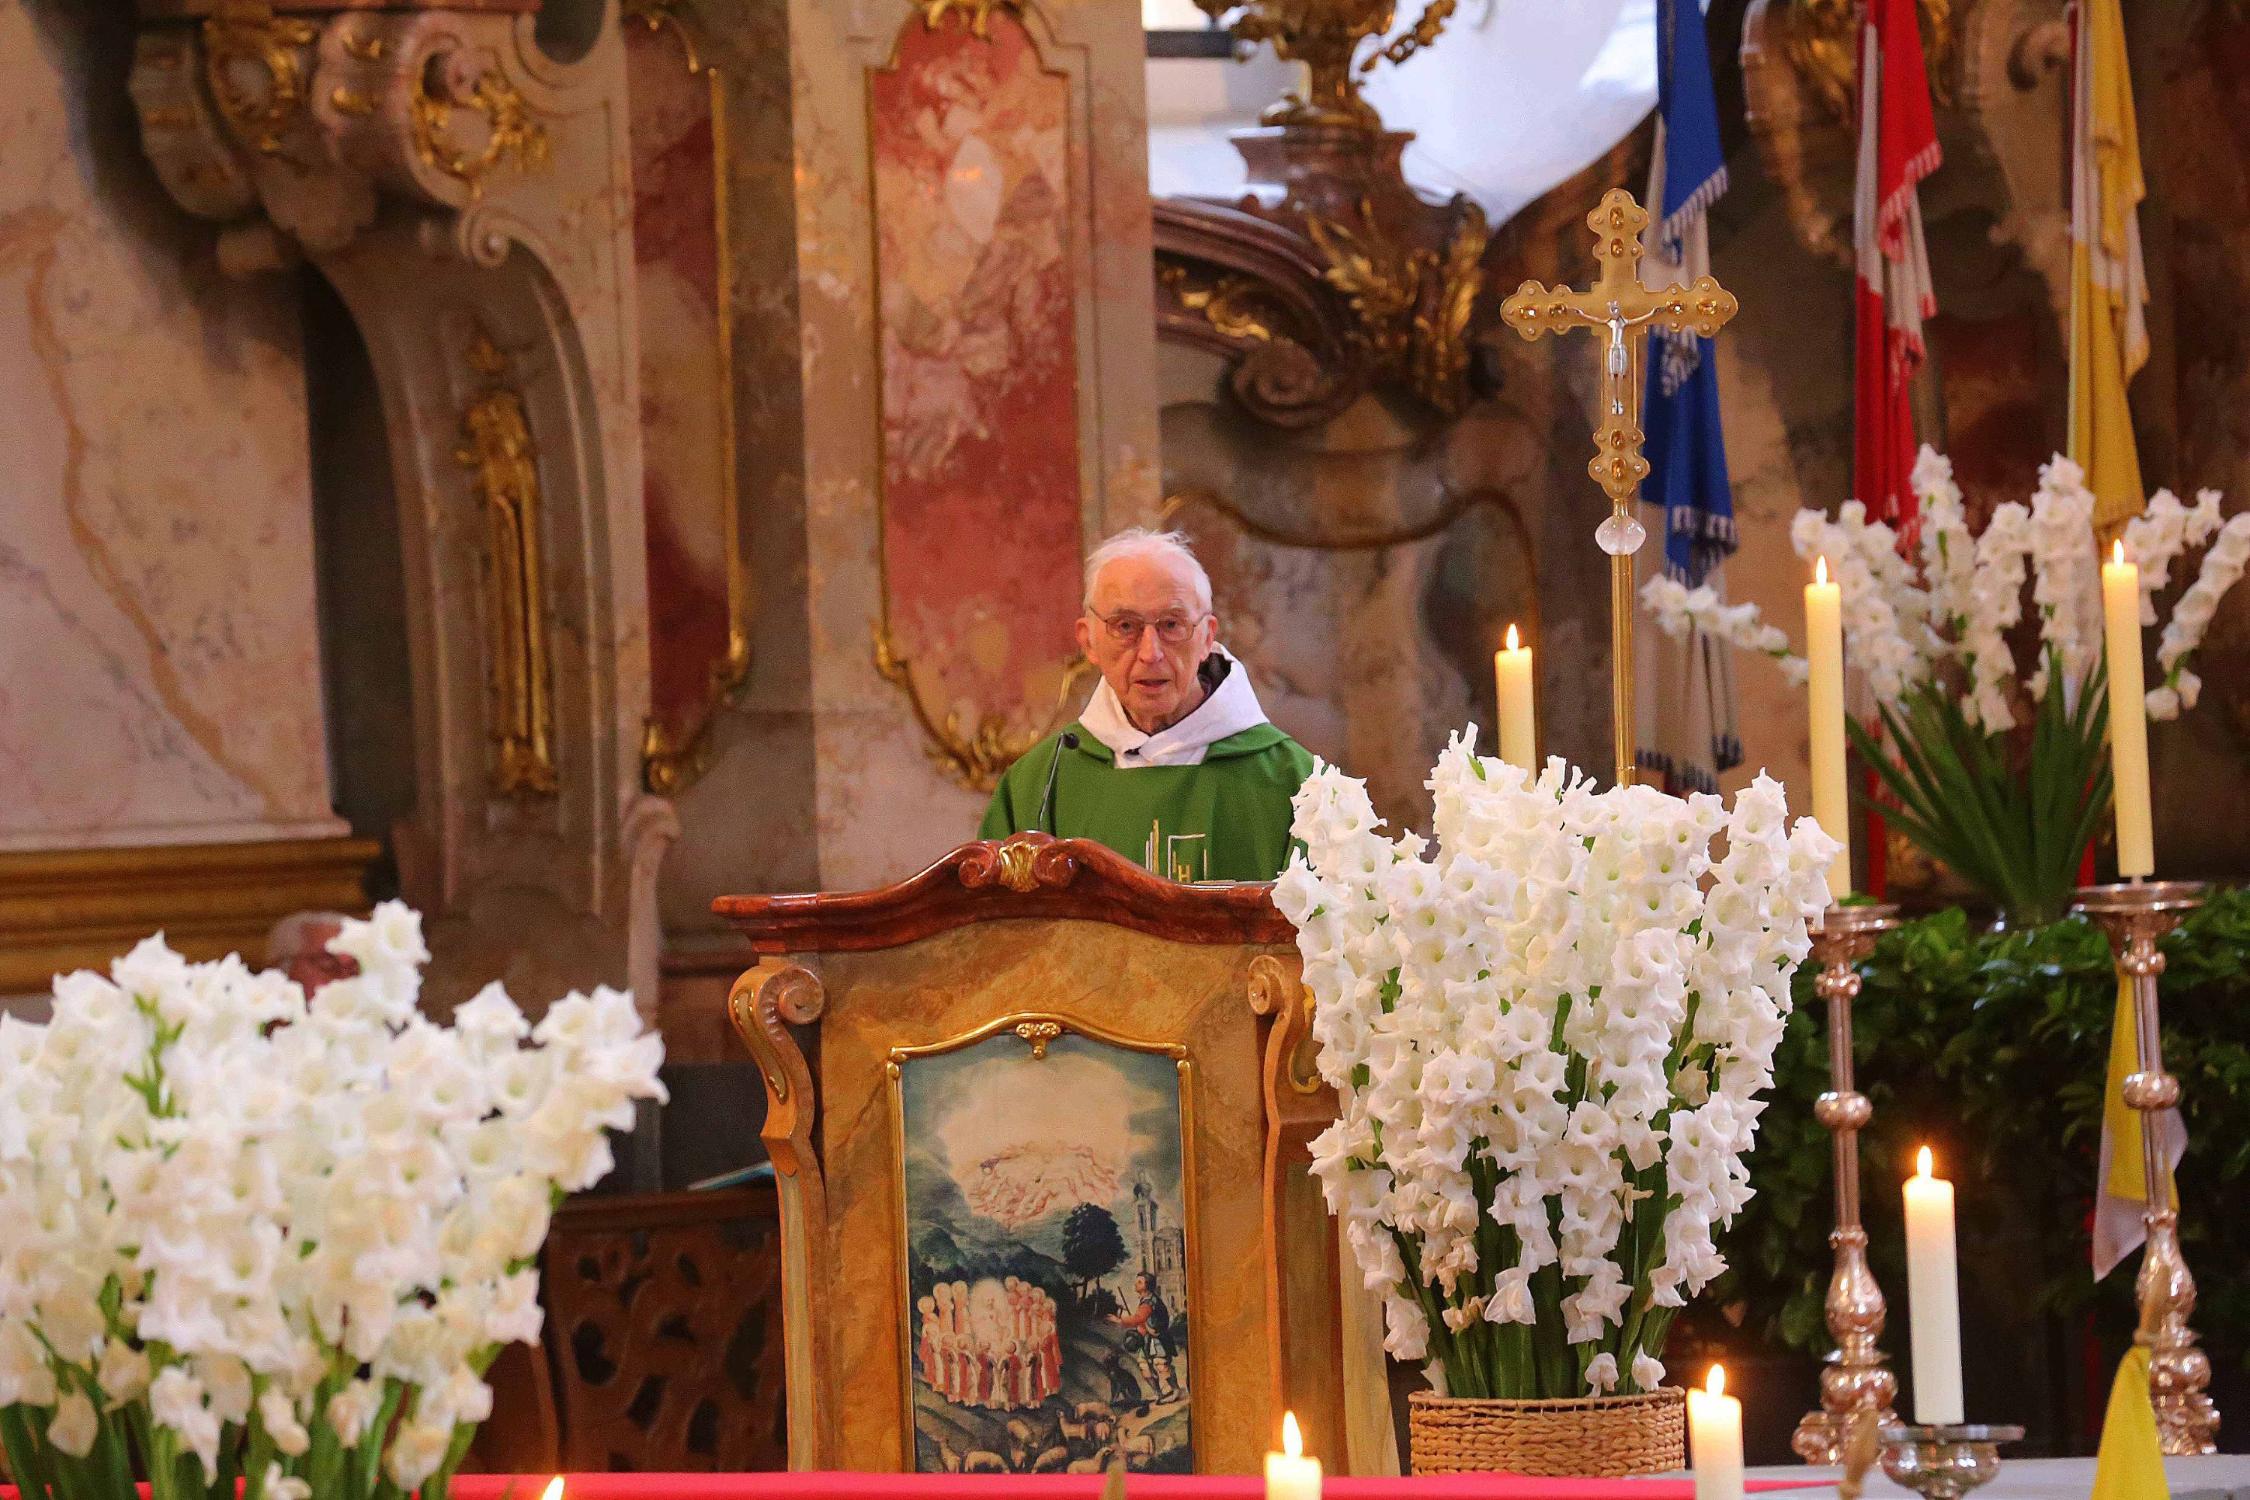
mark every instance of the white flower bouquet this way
{"type": "Point", "coordinates": [1549, 1034]}
{"type": "Point", "coordinates": [2008, 806]}
{"type": "Point", "coordinates": [248, 1234]}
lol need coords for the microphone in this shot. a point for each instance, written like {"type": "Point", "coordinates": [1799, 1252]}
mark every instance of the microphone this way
{"type": "Point", "coordinates": [1067, 741]}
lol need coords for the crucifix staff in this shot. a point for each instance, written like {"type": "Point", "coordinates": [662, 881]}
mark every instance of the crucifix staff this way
{"type": "Point", "coordinates": [1624, 310]}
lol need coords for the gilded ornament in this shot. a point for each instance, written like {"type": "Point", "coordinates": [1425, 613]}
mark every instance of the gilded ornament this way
{"type": "Point", "coordinates": [664, 16]}
{"type": "Point", "coordinates": [350, 102]}
{"type": "Point", "coordinates": [1822, 45]}
{"type": "Point", "coordinates": [1622, 311]}
{"type": "Point", "coordinates": [497, 449]}
{"type": "Point", "coordinates": [1226, 304]}
{"type": "Point", "coordinates": [510, 132]}
{"type": "Point", "coordinates": [976, 13]}
{"type": "Point", "coordinates": [973, 760]}
{"type": "Point", "coordinates": [1327, 36]}
{"type": "Point", "coordinates": [668, 764]}
{"type": "Point", "coordinates": [1039, 1034]}
{"type": "Point", "coordinates": [252, 67]}
{"type": "Point", "coordinates": [1412, 305]}
{"type": "Point", "coordinates": [1017, 865]}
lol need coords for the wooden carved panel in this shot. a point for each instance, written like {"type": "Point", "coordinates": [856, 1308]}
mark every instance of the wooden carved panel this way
{"type": "Point", "coordinates": [977, 286]}
{"type": "Point", "coordinates": [1032, 875]}
{"type": "Point", "coordinates": [664, 1326]}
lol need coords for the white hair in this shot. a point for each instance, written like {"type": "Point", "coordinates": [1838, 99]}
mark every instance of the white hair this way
{"type": "Point", "coordinates": [1139, 541]}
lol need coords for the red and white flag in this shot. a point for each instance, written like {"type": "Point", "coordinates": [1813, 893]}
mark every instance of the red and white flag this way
{"type": "Point", "coordinates": [1898, 147]}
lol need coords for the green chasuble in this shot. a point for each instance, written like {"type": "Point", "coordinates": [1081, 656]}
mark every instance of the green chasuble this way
{"type": "Point", "coordinates": [1238, 798]}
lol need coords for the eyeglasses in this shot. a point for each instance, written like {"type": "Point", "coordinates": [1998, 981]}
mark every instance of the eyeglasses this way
{"type": "Point", "coordinates": [1125, 630]}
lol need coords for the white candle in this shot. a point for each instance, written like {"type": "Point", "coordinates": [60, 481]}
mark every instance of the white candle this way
{"type": "Point", "coordinates": [2128, 714]}
{"type": "Point", "coordinates": [1933, 1297]}
{"type": "Point", "coordinates": [1511, 668]}
{"type": "Point", "coordinates": [1715, 1439]}
{"type": "Point", "coordinates": [1289, 1474]}
{"type": "Point", "coordinates": [1824, 692]}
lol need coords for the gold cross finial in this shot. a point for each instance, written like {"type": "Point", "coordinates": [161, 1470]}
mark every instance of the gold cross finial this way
{"type": "Point", "coordinates": [1621, 308]}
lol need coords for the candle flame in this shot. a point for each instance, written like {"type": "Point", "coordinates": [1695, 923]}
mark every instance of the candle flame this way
{"type": "Point", "coordinates": [1820, 569]}
{"type": "Point", "coordinates": [2117, 552]}
{"type": "Point", "coordinates": [1512, 646]}
{"type": "Point", "coordinates": [1922, 1164]}
{"type": "Point", "coordinates": [1716, 1381]}
{"type": "Point", "coordinates": [1292, 1441]}
{"type": "Point", "coordinates": [554, 1489]}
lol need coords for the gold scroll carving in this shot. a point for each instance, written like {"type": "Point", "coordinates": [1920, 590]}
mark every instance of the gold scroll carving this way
{"type": "Point", "coordinates": [976, 13]}
{"type": "Point", "coordinates": [509, 130]}
{"type": "Point", "coordinates": [1326, 36]}
{"type": "Point", "coordinates": [973, 758]}
{"type": "Point", "coordinates": [1412, 304]}
{"type": "Point", "coordinates": [252, 67]}
{"type": "Point", "coordinates": [496, 448]}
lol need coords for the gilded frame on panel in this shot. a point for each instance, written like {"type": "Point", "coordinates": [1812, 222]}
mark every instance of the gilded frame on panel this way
{"type": "Point", "coordinates": [673, 757]}
{"type": "Point", "coordinates": [1037, 1029]}
{"type": "Point", "coordinates": [975, 757]}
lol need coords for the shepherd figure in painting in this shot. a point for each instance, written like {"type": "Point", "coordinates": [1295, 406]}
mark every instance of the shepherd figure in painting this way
{"type": "Point", "coordinates": [1148, 1328]}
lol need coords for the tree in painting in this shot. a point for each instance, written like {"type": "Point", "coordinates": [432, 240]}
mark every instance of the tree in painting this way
{"type": "Point", "coordinates": [1092, 1247]}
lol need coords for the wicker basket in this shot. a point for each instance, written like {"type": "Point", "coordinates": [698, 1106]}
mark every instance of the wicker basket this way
{"type": "Point", "coordinates": [1597, 1437]}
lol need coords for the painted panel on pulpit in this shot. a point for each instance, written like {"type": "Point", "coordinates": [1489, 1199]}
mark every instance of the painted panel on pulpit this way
{"type": "Point", "coordinates": [1047, 1294]}
{"type": "Point", "coordinates": [977, 306]}
{"type": "Point", "coordinates": [696, 577]}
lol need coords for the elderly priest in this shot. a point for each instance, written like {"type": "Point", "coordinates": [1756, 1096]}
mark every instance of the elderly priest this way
{"type": "Point", "coordinates": [1172, 764]}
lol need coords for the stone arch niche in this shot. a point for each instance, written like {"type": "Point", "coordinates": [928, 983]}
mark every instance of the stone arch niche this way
{"type": "Point", "coordinates": [469, 198]}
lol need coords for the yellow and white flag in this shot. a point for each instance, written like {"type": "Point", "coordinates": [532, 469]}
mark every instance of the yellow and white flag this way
{"type": "Point", "coordinates": [2121, 1194]}
{"type": "Point", "coordinates": [2108, 281]}
{"type": "Point", "coordinates": [2131, 1462]}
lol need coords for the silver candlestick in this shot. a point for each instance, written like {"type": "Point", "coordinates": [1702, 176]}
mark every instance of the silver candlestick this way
{"type": "Point", "coordinates": [1944, 1463]}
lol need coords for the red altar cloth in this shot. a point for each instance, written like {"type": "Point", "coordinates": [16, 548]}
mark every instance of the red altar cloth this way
{"type": "Point", "coordinates": [843, 1486]}
{"type": "Point", "coordinates": [849, 1486]}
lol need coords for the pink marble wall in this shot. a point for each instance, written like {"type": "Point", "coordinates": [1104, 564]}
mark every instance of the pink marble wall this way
{"type": "Point", "coordinates": [159, 662]}
{"type": "Point", "coordinates": [977, 304]}
{"type": "Point", "coordinates": [679, 276]}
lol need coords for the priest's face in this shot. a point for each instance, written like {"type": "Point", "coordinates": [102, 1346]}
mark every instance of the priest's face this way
{"type": "Point", "coordinates": [1153, 677]}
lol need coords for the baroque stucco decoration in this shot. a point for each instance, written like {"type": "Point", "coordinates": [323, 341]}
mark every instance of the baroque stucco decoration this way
{"type": "Point", "coordinates": [1329, 278]}
{"type": "Point", "coordinates": [469, 197]}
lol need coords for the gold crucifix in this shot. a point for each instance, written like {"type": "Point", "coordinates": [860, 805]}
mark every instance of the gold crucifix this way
{"type": "Point", "coordinates": [1623, 310]}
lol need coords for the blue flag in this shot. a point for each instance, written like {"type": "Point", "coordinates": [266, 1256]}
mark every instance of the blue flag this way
{"type": "Point", "coordinates": [1686, 449]}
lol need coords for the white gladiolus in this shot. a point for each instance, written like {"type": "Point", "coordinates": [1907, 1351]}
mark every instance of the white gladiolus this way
{"type": "Point", "coordinates": [75, 1426]}
{"type": "Point", "coordinates": [2191, 617]}
{"type": "Point", "coordinates": [1680, 611]}
{"type": "Point", "coordinates": [244, 1210]}
{"type": "Point", "coordinates": [1515, 1018]}
{"type": "Point", "coordinates": [1951, 613]}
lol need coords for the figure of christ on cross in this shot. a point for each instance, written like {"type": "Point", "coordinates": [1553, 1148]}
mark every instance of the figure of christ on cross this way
{"type": "Point", "coordinates": [1624, 310]}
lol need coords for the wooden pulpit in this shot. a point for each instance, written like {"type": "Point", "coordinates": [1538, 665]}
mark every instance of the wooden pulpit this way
{"type": "Point", "coordinates": [1039, 1121]}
